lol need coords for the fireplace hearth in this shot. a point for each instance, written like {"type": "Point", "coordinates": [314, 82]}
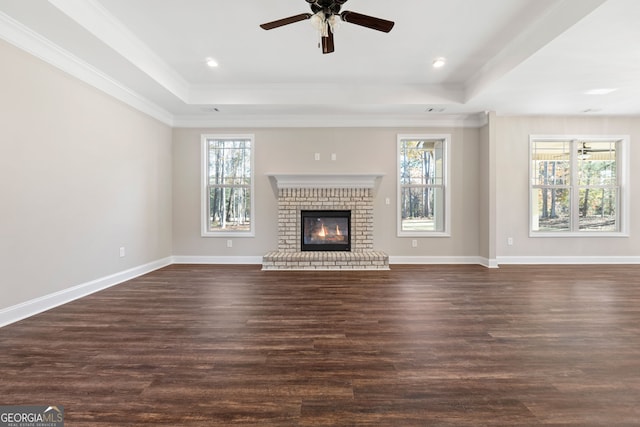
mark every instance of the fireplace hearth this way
{"type": "Point", "coordinates": [325, 230]}
{"type": "Point", "coordinates": [338, 211]}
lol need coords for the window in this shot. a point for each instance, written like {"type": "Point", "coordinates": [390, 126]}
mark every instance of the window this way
{"type": "Point", "coordinates": [227, 185]}
{"type": "Point", "coordinates": [577, 185]}
{"type": "Point", "coordinates": [423, 191]}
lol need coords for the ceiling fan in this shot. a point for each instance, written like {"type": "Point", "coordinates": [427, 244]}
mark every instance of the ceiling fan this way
{"type": "Point", "coordinates": [325, 18]}
{"type": "Point", "coordinates": [586, 149]}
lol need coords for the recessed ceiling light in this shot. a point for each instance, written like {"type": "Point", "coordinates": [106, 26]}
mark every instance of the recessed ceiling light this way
{"type": "Point", "coordinates": [439, 62]}
{"type": "Point", "coordinates": [600, 91]}
{"type": "Point", "coordinates": [212, 62]}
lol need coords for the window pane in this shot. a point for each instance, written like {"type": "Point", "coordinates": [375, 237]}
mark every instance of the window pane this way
{"type": "Point", "coordinates": [598, 209]}
{"type": "Point", "coordinates": [597, 163]}
{"type": "Point", "coordinates": [229, 209]}
{"type": "Point", "coordinates": [227, 178]}
{"type": "Point", "coordinates": [422, 209]}
{"type": "Point", "coordinates": [229, 162]}
{"type": "Point", "coordinates": [421, 162]}
{"type": "Point", "coordinates": [575, 184]}
{"type": "Point", "coordinates": [550, 210]}
{"type": "Point", "coordinates": [551, 163]}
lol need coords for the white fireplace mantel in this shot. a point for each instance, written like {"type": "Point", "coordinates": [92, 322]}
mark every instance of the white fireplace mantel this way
{"type": "Point", "coordinates": [326, 180]}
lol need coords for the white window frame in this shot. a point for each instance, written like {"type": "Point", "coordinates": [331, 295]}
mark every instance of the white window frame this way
{"type": "Point", "coordinates": [446, 230]}
{"type": "Point", "coordinates": [622, 162]}
{"type": "Point", "coordinates": [204, 184]}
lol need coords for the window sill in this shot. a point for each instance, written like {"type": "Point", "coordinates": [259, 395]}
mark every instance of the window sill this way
{"type": "Point", "coordinates": [425, 234]}
{"type": "Point", "coordinates": [226, 234]}
{"type": "Point", "coordinates": [579, 234]}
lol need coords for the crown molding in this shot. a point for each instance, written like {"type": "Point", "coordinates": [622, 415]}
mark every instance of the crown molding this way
{"type": "Point", "coordinates": [322, 93]}
{"type": "Point", "coordinates": [556, 20]}
{"type": "Point", "coordinates": [475, 120]}
{"type": "Point", "coordinates": [99, 22]}
{"type": "Point", "coordinates": [24, 38]}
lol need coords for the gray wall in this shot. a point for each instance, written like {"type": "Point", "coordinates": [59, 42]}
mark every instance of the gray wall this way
{"type": "Point", "coordinates": [82, 175]}
{"type": "Point", "coordinates": [512, 148]}
{"type": "Point", "coordinates": [489, 189]}
{"type": "Point", "coordinates": [358, 150]}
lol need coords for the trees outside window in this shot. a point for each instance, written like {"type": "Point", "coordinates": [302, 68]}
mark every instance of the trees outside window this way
{"type": "Point", "coordinates": [422, 185]}
{"type": "Point", "coordinates": [576, 185]}
{"type": "Point", "coordinates": [227, 185]}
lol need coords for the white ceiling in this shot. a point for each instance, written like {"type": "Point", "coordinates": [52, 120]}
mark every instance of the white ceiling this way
{"type": "Point", "coordinates": [508, 56]}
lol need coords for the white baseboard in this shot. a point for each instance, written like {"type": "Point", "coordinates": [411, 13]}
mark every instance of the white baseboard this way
{"type": "Point", "coordinates": [490, 262]}
{"type": "Point", "coordinates": [38, 305]}
{"type": "Point", "coordinates": [188, 259]}
{"type": "Point", "coordinates": [443, 260]}
{"type": "Point", "coordinates": [568, 260]}
{"type": "Point", "coordinates": [181, 259]}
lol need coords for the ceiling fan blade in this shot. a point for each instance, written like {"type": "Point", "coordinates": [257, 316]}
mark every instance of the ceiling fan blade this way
{"type": "Point", "coordinates": [367, 21]}
{"type": "Point", "coordinates": [285, 21]}
{"type": "Point", "coordinates": [327, 42]}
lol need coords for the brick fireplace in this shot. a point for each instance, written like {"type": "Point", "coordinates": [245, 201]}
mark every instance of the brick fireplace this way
{"type": "Point", "coordinates": [298, 193]}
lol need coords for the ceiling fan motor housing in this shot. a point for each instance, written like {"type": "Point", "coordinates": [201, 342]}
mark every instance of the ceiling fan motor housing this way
{"type": "Point", "coordinates": [329, 7]}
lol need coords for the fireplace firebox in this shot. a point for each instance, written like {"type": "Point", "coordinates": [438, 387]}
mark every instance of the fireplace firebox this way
{"type": "Point", "coordinates": [325, 230]}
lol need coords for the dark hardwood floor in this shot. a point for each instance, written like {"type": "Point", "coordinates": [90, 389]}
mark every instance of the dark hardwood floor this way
{"type": "Point", "coordinates": [192, 345]}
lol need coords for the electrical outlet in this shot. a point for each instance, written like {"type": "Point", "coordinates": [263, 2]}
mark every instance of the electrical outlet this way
{"type": "Point", "coordinates": [316, 156]}
{"type": "Point", "coordinates": [123, 252]}
{"type": "Point", "coordinates": [414, 243]}
{"type": "Point", "coordinates": [510, 241]}
{"type": "Point", "coordinates": [387, 201]}
{"type": "Point", "coordinates": [229, 243]}
{"type": "Point", "coordinates": [334, 156]}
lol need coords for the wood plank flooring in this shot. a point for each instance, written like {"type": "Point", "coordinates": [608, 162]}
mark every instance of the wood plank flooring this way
{"type": "Point", "coordinates": [199, 345]}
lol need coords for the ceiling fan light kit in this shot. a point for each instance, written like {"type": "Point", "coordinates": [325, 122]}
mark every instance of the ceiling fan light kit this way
{"type": "Point", "coordinates": [325, 19]}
